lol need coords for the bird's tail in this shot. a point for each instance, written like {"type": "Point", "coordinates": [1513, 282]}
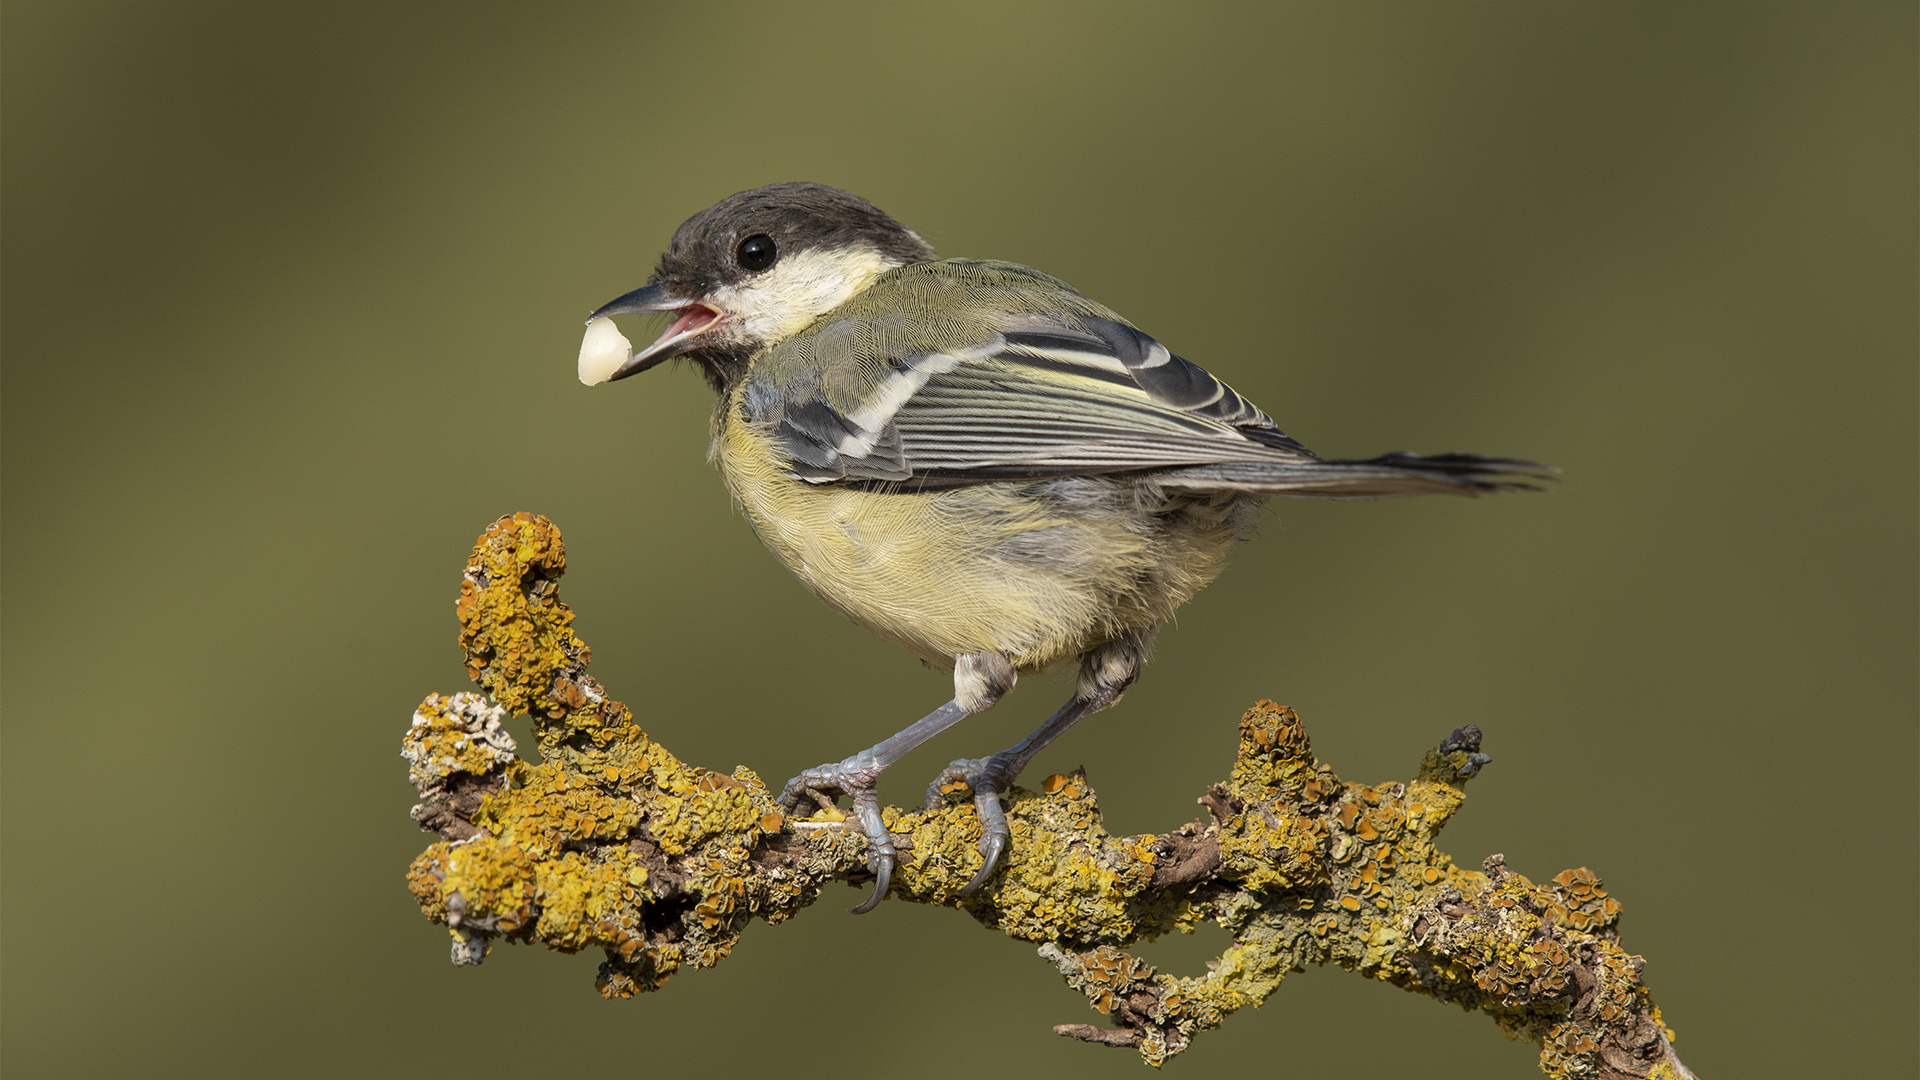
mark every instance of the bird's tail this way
{"type": "Point", "coordinates": [1398, 473]}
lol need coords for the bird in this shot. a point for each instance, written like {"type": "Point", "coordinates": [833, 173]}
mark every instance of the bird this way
{"type": "Point", "coordinates": [970, 459]}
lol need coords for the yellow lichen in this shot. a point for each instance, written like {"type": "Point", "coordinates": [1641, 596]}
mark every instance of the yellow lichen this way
{"type": "Point", "coordinates": [516, 633]}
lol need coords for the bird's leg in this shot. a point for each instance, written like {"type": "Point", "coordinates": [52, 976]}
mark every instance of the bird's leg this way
{"type": "Point", "coordinates": [979, 681]}
{"type": "Point", "coordinates": [1105, 673]}
{"type": "Point", "coordinates": [989, 776]}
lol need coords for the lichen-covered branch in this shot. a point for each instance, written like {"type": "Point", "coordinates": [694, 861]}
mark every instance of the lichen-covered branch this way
{"type": "Point", "coordinates": [611, 842]}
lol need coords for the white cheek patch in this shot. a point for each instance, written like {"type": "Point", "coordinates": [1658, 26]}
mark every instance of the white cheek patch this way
{"type": "Point", "coordinates": [799, 289]}
{"type": "Point", "coordinates": [602, 351]}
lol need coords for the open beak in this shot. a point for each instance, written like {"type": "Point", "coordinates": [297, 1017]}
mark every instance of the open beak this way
{"type": "Point", "coordinates": [691, 319]}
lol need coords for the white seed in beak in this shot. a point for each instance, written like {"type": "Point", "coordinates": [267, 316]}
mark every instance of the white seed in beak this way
{"type": "Point", "coordinates": [602, 351]}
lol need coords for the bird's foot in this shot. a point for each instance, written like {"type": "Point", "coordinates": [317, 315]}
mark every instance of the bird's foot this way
{"type": "Point", "coordinates": [988, 777]}
{"type": "Point", "coordinates": [857, 778]}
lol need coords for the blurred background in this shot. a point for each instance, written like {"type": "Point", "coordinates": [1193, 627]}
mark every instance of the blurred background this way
{"type": "Point", "coordinates": [292, 295]}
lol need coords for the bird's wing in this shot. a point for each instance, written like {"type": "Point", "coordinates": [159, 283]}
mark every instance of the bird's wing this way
{"type": "Point", "coordinates": [1036, 396]}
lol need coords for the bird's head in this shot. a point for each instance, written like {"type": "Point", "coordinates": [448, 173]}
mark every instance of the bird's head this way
{"type": "Point", "coordinates": [748, 272]}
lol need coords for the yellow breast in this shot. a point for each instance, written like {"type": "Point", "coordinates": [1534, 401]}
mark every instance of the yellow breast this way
{"type": "Point", "coordinates": [1028, 569]}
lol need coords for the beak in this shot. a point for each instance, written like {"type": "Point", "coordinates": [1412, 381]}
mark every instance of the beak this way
{"type": "Point", "coordinates": [648, 299]}
{"type": "Point", "coordinates": [694, 319]}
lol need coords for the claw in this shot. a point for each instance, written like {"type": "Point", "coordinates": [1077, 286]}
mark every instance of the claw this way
{"type": "Point", "coordinates": [883, 877]}
{"type": "Point", "coordinates": [856, 778]}
{"type": "Point", "coordinates": [993, 844]}
{"type": "Point", "coordinates": [986, 776]}
{"type": "Point", "coordinates": [880, 853]}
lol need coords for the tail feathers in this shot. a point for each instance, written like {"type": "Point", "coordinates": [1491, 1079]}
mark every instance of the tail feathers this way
{"type": "Point", "coordinates": [1386, 476]}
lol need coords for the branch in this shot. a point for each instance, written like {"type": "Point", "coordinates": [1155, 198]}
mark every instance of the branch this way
{"type": "Point", "coordinates": [613, 843]}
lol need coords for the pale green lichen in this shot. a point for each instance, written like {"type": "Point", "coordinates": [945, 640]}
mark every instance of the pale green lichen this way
{"type": "Point", "coordinates": [611, 842]}
{"type": "Point", "coordinates": [457, 734]}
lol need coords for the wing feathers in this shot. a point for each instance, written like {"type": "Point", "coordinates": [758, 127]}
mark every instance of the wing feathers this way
{"type": "Point", "coordinates": [1043, 399]}
{"type": "Point", "coordinates": [1174, 381]}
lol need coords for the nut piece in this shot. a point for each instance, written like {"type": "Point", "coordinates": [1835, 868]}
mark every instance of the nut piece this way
{"type": "Point", "coordinates": [602, 351]}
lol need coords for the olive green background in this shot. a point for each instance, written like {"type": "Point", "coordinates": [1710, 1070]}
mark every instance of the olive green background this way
{"type": "Point", "coordinates": [292, 298]}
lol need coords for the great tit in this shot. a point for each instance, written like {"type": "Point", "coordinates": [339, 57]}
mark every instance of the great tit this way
{"type": "Point", "coordinates": [970, 459]}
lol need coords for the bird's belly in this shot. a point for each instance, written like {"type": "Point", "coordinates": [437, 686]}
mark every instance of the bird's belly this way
{"type": "Point", "coordinates": [995, 567]}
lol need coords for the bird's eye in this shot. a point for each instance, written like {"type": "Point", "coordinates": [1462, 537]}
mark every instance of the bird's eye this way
{"type": "Point", "coordinates": [756, 252]}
